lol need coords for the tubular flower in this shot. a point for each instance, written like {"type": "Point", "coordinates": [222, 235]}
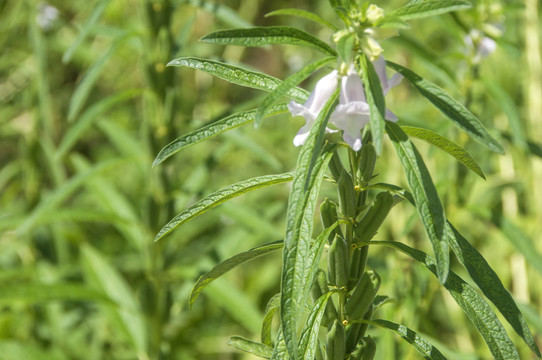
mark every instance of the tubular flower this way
{"type": "Point", "coordinates": [352, 113]}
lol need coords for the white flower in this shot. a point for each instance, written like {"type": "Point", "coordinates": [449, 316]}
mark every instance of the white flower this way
{"type": "Point", "coordinates": [352, 113]}
{"type": "Point", "coordinates": [479, 45]}
{"type": "Point", "coordinates": [323, 90]}
{"type": "Point", "coordinates": [46, 16]}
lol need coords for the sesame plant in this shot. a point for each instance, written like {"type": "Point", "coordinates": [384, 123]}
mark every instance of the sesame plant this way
{"type": "Point", "coordinates": [329, 298]}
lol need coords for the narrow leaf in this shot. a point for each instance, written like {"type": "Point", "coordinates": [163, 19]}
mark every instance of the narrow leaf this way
{"type": "Point", "coordinates": [448, 146]}
{"type": "Point", "coordinates": [267, 35]}
{"type": "Point", "coordinates": [229, 264]}
{"type": "Point", "coordinates": [238, 75]}
{"type": "Point", "coordinates": [427, 201]}
{"type": "Point", "coordinates": [473, 304]}
{"type": "Point", "coordinates": [280, 351]}
{"type": "Point", "coordinates": [252, 347]}
{"type": "Point", "coordinates": [492, 287]}
{"type": "Point", "coordinates": [213, 129]}
{"type": "Point", "coordinates": [308, 343]}
{"type": "Point", "coordinates": [309, 173]}
{"type": "Point", "coordinates": [425, 348]}
{"type": "Point", "coordinates": [428, 8]}
{"type": "Point", "coordinates": [272, 306]}
{"type": "Point", "coordinates": [220, 197]}
{"type": "Point", "coordinates": [376, 101]}
{"type": "Point", "coordinates": [288, 84]}
{"type": "Point", "coordinates": [304, 14]}
{"type": "Point", "coordinates": [456, 112]}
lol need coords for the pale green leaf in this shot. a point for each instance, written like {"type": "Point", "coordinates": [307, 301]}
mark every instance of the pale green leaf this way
{"type": "Point", "coordinates": [267, 35]}
{"type": "Point", "coordinates": [456, 112]}
{"type": "Point", "coordinates": [473, 304]}
{"type": "Point", "coordinates": [304, 14]}
{"type": "Point", "coordinates": [446, 145]}
{"type": "Point", "coordinates": [308, 343]}
{"type": "Point", "coordinates": [238, 75]}
{"type": "Point", "coordinates": [229, 264]}
{"type": "Point", "coordinates": [427, 201]}
{"type": "Point", "coordinates": [213, 129]}
{"type": "Point", "coordinates": [429, 8]}
{"type": "Point", "coordinates": [376, 101]}
{"type": "Point", "coordinates": [220, 197]}
{"type": "Point", "coordinates": [286, 85]}
{"type": "Point", "coordinates": [272, 306]}
{"type": "Point", "coordinates": [252, 347]}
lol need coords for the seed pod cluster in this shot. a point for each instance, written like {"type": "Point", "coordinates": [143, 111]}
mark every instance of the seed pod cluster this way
{"type": "Point", "coordinates": [367, 162]}
{"type": "Point", "coordinates": [373, 218]}
{"type": "Point", "coordinates": [363, 295]}
{"type": "Point", "coordinates": [338, 262]}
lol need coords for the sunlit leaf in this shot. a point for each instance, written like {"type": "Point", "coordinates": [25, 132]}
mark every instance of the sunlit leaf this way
{"type": "Point", "coordinates": [427, 8]}
{"type": "Point", "coordinates": [446, 145]}
{"type": "Point", "coordinates": [220, 197]}
{"type": "Point", "coordinates": [456, 112]}
{"type": "Point", "coordinates": [268, 35]}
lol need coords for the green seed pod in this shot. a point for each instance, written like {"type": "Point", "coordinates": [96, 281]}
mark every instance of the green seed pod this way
{"type": "Point", "coordinates": [338, 262]}
{"type": "Point", "coordinates": [347, 194]}
{"type": "Point", "coordinates": [365, 349]}
{"type": "Point", "coordinates": [329, 216]}
{"type": "Point", "coordinates": [363, 295]}
{"type": "Point", "coordinates": [335, 166]}
{"type": "Point", "coordinates": [352, 336]}
{"type": "Point", "coordinates": [319, 288]}
{"type": "Point", "coordinates": [335, 342]}
{"type": "Point", "coordinates": [357, 265]}
{"type": "Point", "coordinates": [374, 217]}
{"type": "Point", "coordinates": [368, 316]}
{"type": "Point", "coordinates": [367, 162]}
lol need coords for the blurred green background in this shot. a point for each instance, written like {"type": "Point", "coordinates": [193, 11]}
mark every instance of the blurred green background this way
{"type": "Point", "coordinates": [86, 103]}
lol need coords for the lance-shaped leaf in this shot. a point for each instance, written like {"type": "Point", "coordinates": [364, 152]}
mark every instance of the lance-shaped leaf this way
{"type": "Point", "coordinates": [427, 8]}
{"type": "Point", "coordinates": [456, 112]}
{"type": "Point", "coordinates": [229, 264]}
{"type": "Point", "coordinates": [305, 187]}
{"type": "Point", "coordinates": [308, 343]}
{"type": "Point", "coordinates": [376, 101]}
{"type": "Point", "coordinates": [490, 284]}
{"type": "Point", "coordinates": [425, 348]}
{"type": "Point", "coordinates": [286, 85]}
{"type": "Point", "coordinates": [220, 197]}
{"type": "Point", "coordinates": [280, 351]}
{"type": "Point", "coordinates": [426, 197]}
{"type": "Point", "coordinates": [272, 306]}
{"type": "Point", "coordinates": [238, 75]}
{"type": "Point", "coordinates": [252, 347]}
{"type": "Point", "coordinates": [218, 127]}
{"type": "Point", "coordinates": [473, 304]}
{"type": "Point", "coordinates": [304, 14]}
{"type": "Point", "coordinates": [448, 146]}
{"type": "Point", "coordinates": [267, 35]}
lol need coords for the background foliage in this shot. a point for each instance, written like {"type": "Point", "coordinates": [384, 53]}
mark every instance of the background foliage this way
{"type": "Point", "coordinates": [87, 103]}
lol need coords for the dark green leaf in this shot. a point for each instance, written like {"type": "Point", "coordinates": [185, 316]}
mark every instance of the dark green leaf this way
{"type": "Point", "coordinates": [229, 264]}
{"type": "Point", "coordinates": [267, 35]}
{"type": "Point", "coordinates": [427, 8]}
{"type": "Point", "coordinates": [426, 197]}
{"type": "Point", "coordinates": [304, 14]}
{"type": "Point", "coordinates": [286, 85]}
{"type": "Point", "coordinates": [442, 143]}
{"type": "Point", "coordinates": [425, 348]}
{"type": "Point", "coordinates": [308, 342]}
{"type": "Point", "coordinates": [459, 114]}
{"type": "Point", "coordinates": [238, 75]}
{"type": "Point", "coordinates": [252, 347]}
{"type": "Point", "coordinates": [213, 129]}
{"type": "Point", "coordinates": [219, 197]}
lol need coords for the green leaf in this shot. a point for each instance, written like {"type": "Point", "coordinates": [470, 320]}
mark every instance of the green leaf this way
{"type": "Point", "coordinates": [473, 304]}
{"type": "Point", "coordinates": [272, 306]}
{"type": "Point", "coordinates": [427, 201]}
{"type": "Point", "coordinates": [220, 197]}
{"type": "Point", "coordinates": [456, 112]}
{"type": "Point", "coordinates": [428, 8]}
{"type": "Point", "coordinates": [308, 343]}
{"type": "Point", "coordinates": [229, 264]}
{"type": "Point", "coordinates": [304, 14]}
{"type": "Point", "coordinates": [288, 84]}
{"type": "Point", "coordinates": [238, 75]}
{"type": "Point", "coordinates": [444, 144]}
{"type": "Point", "coordinates": [425, 348]}
{"type": "Point", "coordinates": [268, 35]}
{"type": "Point", "coordinates": [280, 351]}
{"type": "Point", "coordinates": [213, 129]}
{"type": "Point", "coordinates": [224, 13]}
{"type": "Point", "coordinates": [492, 287]}
{"type": "Point", "coordinates": [35, 293]}
{"type": "Point", "coordinates": [252, 347]}
{"type": "Point", "coordinates": [309, 173]}
{"type": "Point", "coordinates": [376, 101]}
